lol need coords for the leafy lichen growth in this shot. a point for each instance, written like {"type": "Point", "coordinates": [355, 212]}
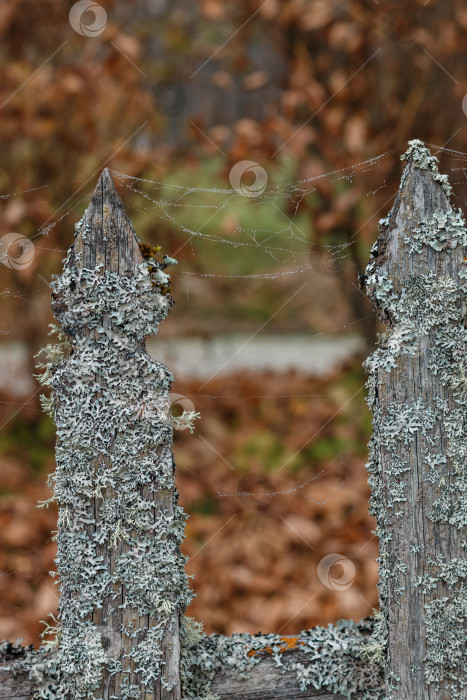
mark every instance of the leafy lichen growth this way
{"type": "Point", "coordinates": [330, 658]}
{"type": "Point", "coordinates": [114, 484]}
{"type": "Point", "coordinates": [421, 156]}
{"type": "Point", "coordinates": [424, 312]}
{"type": "Point", "coordinates": [445, 230]}
{"type": "Point", "coordinates": [110, 403]}
{"type": "Point", "coordinates": [155, 268]}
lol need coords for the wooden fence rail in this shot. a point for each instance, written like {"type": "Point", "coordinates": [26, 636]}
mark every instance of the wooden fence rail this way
{"type": "Point", "coordinates": [122, 632]}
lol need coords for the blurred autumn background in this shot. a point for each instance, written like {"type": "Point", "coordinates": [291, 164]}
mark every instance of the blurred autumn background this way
{"type": "Point", "coordinates": [172, 95]}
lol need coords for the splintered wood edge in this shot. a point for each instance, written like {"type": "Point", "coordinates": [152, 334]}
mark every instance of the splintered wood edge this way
{"type": "Point", "coordinates": [107, 236]}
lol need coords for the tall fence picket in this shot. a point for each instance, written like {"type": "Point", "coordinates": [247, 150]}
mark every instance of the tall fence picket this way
{"type": "Point", "coordinates": [122, 579]}
{"type": "Point", "coordinates": [418, 394]}
{"type": "Point", "coordinates": [122, 633]}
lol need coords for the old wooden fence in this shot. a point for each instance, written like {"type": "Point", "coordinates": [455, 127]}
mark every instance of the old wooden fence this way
{"type": "Point", "coordinates": [121, 632]}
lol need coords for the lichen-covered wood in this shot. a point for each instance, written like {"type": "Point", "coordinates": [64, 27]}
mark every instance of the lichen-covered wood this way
{"type": "Point", "coordinates": [121, 633]}
{"type": "Point", "coordinates": [14, 685]}
{"type": "Point", "coordinates": [416, 279]}
{"type": "Point", "coordinates": [19, 687]}
{"type": "Point", "coordinates": [120, 571]}
{"type": "Point", "coordinates": [324, 662]}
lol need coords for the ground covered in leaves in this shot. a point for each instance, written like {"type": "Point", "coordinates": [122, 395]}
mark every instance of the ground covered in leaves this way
{"type": "Point", "coordinates": [274, 481]}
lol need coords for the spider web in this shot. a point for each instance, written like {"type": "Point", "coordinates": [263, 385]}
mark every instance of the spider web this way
{"type": "Point", "coordinates": [285, 245]}
{"type": "Point", "coordinates": [260, 217]}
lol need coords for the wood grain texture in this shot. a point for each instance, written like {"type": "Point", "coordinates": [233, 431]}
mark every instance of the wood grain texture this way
{"type": "Point", "coordinates": [412, 381]}
{"type": "Point", "coordinates": [268, 683]}
{"type": "Point", "coordinates": [265, 683]}
{"type": "Point", "coordinates": [107, 238]}
{"type": "Point", "coordinates": [19, 686]}
{"type": "Point", "coordinates": [14, 687]}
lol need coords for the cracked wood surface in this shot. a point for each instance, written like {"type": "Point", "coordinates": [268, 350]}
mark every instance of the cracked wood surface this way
{"type": "Point", "coordinates": [107, 238]}
{"type": "Point", "coordinates": [413, 380]}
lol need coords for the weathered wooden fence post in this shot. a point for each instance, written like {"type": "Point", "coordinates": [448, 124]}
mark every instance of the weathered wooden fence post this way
{"type": "Point", "coordinates": [122, 580]}
{"type": "Point", "coordinates": [121, 574]}
{"type": "Point", "coordinates": [418, 393]}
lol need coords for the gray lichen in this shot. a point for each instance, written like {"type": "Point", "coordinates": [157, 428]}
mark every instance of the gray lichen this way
{"type": "Point", "coordinates": [445, 624]}
{"type": "Point", "coordinates": [114, 449]}
{"type": "Point", "coordinates": [425, 319]}
{"type": "Point", "coordinates": [445, 230]}
{"type": "Point", "coordinates": [330, 658]}
{"type": "Point", "coordinates": [424, 303]}
{"type": "Point", "coordinates": [421, 156]}
{"type": "Point", "coordinates": [110, 403]}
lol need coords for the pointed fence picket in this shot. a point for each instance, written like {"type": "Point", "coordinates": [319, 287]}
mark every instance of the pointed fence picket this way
{"type": "Point", "coordinates": [122, 633]}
